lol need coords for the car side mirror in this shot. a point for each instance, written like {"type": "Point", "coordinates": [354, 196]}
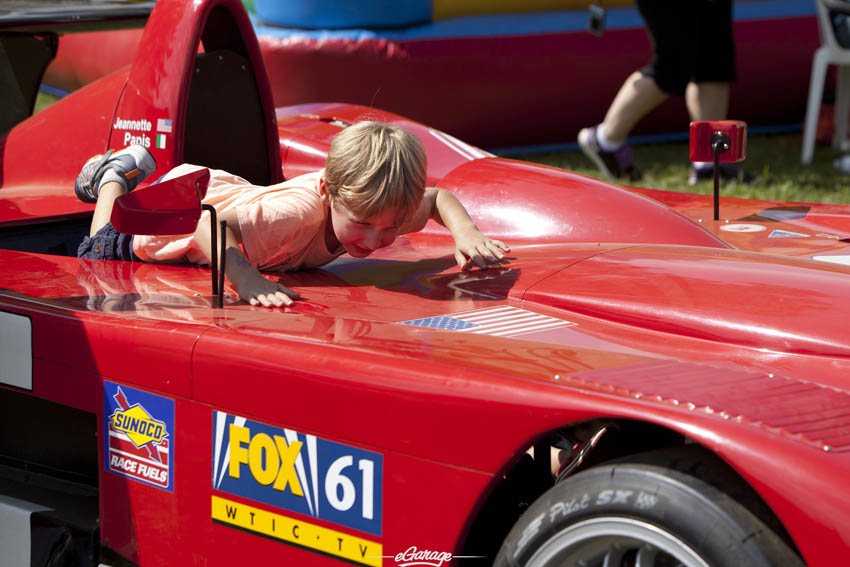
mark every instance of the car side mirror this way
{"type": "Point", "coordinates": [718, 141]}
{"type": "Point", "coordinates": [165, 208]}
{"type": "Point", "coordinates": [173, 207]}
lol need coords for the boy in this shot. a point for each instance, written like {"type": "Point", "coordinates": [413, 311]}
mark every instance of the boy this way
{"type": "Point", "coordinates": [371, 190]}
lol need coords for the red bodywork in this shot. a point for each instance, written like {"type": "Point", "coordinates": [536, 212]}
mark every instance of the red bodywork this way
{"type": "Point", "coordinates": [736, 339]}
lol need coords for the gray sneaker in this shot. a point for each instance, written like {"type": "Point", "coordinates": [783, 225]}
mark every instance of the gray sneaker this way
{"type": "Point", "coordinates": [612, 164]}
{"type": "Point", "coordinates": [129, 167]}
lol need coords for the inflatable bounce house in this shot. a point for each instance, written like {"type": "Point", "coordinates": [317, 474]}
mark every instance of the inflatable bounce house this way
{"type": "Point", "coordinates": [501, 74]}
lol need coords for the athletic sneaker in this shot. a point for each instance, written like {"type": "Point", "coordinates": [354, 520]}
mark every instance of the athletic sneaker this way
{"type": "Point", "coordinates": [129, 167]}
{"type": "Point", "coordinates": [728, 171]}
{"type": "Point", "coordinates": [612, 164]}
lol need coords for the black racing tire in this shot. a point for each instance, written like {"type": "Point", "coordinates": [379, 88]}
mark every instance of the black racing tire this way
{"type": "Point", "coordinates": [667, 508]}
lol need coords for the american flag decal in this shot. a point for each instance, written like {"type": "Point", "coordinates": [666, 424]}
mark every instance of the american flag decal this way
{"type": "Point", "coordinates": [501, 321]}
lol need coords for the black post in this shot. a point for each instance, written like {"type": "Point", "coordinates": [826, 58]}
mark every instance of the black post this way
{"type": "Point", "coordinates": [213, 246]}
{"type": "Point", "coordinates": [719, 143]}
{"type": "Point", "coordinates": [716, 184]}
{"type": "Point", "coordinates": [221, 270]}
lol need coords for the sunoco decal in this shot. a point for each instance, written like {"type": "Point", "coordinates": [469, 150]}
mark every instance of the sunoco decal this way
{"type": "Point", "coordinates": [138, 440]}
{"type": "Point", "coordinates": [300, 473]}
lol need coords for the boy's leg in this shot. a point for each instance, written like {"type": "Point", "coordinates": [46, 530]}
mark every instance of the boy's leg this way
{"type": "Point", "coordinates": [127, 167]}
{"type": "Point", "coordinates": [102, 180]}
{"type": "Point", "coordinates": [105, 178]}
{"type": "Point", "coordinates": [107, 194]}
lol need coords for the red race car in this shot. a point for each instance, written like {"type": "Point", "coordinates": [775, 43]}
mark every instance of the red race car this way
{"type": "Point", "coordinates": [684, 378]}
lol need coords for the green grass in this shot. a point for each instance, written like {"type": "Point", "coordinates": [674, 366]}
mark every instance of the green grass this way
{"type": "Point", "coordinates": [775, 159]}
{"type": "Point", "coordinates": [42, 101]}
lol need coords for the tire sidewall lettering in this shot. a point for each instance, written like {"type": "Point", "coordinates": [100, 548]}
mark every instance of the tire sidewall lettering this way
{"type": "Point", "coordinates": [670, 500]}
{"type": "Point", "coordinates": [588, 504]}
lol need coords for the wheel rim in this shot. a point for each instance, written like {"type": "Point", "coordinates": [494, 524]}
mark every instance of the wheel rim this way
{"type": "Point", "coordinates": [614, 542]}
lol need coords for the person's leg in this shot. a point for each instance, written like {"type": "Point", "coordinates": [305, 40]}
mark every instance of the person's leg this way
{"type": "Point", "coordinates": [710, 101]}
{"type": "Point", "coordinates": [666, 74]}
{"type": "Point", "coordinates": [128, 167]}
{"type": "Point", "coordinates": [102, 180]}
{"type": "Point", "coordinates": [107, 194]}
{"type": "Point", "coordinates": [707, 100]}
{"type": "Point", "coordinates": [105, 178]}
{"type": "Point", "coordinates": [605, 144]}
{"type": "Point", "coordinates": [638, 95]}
{"type": "Point", "coordinates": [707, 95]}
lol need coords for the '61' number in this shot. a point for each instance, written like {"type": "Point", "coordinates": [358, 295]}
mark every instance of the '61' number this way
{"type": "Point", "coordinates": [337, 482]}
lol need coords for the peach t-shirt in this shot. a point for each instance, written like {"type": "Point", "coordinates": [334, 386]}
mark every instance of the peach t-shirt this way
{"type": "Point", "coordinates": [282, 225]}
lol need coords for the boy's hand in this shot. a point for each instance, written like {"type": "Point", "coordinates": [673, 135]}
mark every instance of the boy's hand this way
{"type": "Point", "coordinates": [473, 247]}
{"type": "Point", "coordinates": [257, 290]}
{"type": "Point", "coordinates": [251, 285]}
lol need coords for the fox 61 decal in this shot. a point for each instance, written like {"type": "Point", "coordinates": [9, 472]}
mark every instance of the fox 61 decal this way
{"type": "Point", "coordinates": [297, 472]}
{"type": "Point", "coordinates": [138, 431]}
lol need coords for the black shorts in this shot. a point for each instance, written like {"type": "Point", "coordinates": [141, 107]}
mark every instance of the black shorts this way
{"type": "Point", "coordinates": [691, 42]}
{"type": "Point", "coordinates": [108, 244]}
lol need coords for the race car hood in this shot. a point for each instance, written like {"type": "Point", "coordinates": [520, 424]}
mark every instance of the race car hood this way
{"type": "Point", "coordinates": [718, 295]}
{"type": "Point", "coordinates": [734, 297]}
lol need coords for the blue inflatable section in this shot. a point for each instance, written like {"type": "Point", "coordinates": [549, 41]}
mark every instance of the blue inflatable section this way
{"type": "Point", "coordinates": [343, 14]}
{"type": "Point", "coordinates": [529, 23]}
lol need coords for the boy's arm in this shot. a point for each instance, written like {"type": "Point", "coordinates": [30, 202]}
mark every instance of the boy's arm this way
{"type": "Point", "coordinates": [471, 246]}
{"type": "Point", "coordinates": [251, 285]}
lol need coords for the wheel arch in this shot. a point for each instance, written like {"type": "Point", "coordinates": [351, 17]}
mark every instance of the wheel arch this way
{"type": "Point", "coordinates": [519, 482]}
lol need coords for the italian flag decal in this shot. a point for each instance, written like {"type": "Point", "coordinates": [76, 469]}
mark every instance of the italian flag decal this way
{"type": "Point", "coordinates": [160, 141]}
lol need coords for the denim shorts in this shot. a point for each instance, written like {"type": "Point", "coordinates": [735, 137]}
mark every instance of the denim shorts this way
{"type": "Point", "coordinates": [108, 244]}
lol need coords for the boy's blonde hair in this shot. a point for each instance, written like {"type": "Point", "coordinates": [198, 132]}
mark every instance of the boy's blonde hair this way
{"type": "Point", "coordinates": [373, 167]}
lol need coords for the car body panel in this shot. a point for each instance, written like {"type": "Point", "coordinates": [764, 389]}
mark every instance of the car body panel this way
{"type": "Point", "coordinates": [616, 304]}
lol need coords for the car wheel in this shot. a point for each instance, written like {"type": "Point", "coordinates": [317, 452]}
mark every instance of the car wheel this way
{"type": "Point", "coordinates": [662, 509]}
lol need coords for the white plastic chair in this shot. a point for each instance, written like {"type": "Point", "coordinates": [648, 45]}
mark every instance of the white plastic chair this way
{"type": "Point", "coordinates": [829, 53]}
